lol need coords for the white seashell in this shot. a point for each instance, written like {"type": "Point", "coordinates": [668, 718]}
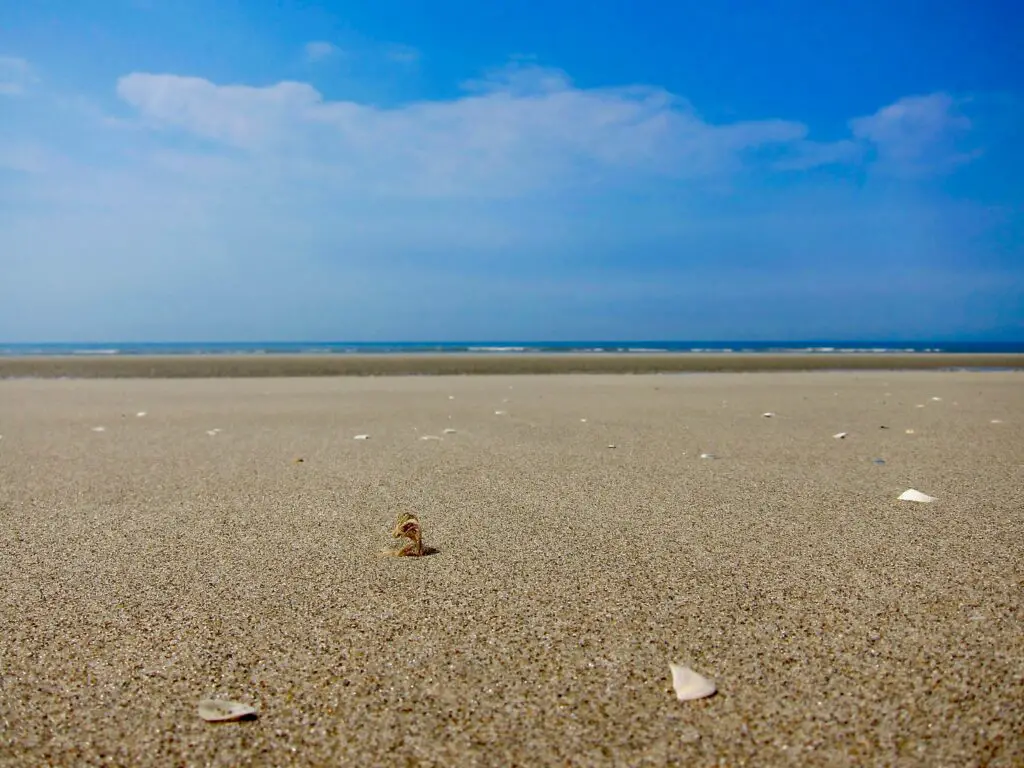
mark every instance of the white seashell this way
{"type": "Point", "coordinates": [222, 711]}
{"type": "Point", "coordinates": [99, 429]}
{"type": "Point", "coordinates": [996, 421]}
{"type": "Point", "coordinates": [909, 431]}
{"type": "Point", "coordinates": [429, 437]}
{"type": "Point", "coordinates": [449, 431]}
{"type": "Point", "coordinates": [690, 685]}
{"type": "Point", "coordinates": [937, 399]}
{"type": "Point", "coordinates": [840, 435]}
{"type": "Point", "coordinates": [500, 413]}
{"type": "Point", "coordinates": [361, 437]}
{"type": "Point", "coordinates": [451, 397]}
{"type": "Point", "coordinates": [611, 445]}
{"type": "Point", "coordinates": [767, 414]}
{"type": "Point", "coordinates": [140, 414]}
{"type": "Point", "coordinates": [213, 432]}
{"type": "Point", "coordinates": [912, 495]}
{"type": "Point", "coordinates": [583, 421]}
{"type": "Point", "coordinates": [919, 405]}
{"type": "Point", "coordinates": [708, 456]}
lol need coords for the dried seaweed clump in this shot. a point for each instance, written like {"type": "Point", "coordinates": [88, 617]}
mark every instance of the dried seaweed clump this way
{"type": "Point", "coordinates": [408, 527]}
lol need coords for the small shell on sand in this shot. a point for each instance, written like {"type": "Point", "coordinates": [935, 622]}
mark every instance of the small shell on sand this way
{"type": "Point", "coordinates": [937, 399]}
{"type": "Point", "coordinates": [213, 432]}
{"type": "Point", "coordinates": [908, 431]}
{"type": "Point", "coordinates": [996, 421]}
{"type": "Point", "coordinates": [840, 435]}
{"type": "Point", "coordinates": [767, 415]}
{"type": "Point", "coordinates": [912, 495]}
{"type": "Point", "coordinates": [708, 456]}
{"type": "Point", "coordinates": [429, 437]}
{"type": "Point", "coordinates": [99, 429]}
{"type": "Point", "coordinates": [583, 421]}
{"type": "Point", "coordinates": [611, 445]}
{"type": "Point", "coordinates": [140, 414]}
{"type": "Point", "coordinates": [690, 685]}
{"type": "Point", "coordinates": [500, 413]}
{"type": "Point", "coordinates": [222, 711]}
{"type": "Point", "coordinates": [449, 431]}
{"type": "Point", "coordinates": [361, 437]}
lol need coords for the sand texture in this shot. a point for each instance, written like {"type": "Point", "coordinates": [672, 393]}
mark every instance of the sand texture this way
{"type": "Point", "coordinates": [236, 366]}
{"type": "Point", "coordinates": [152, 564]}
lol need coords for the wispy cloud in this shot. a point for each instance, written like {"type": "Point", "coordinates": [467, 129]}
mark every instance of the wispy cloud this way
{"type": "Point", "coordinates": [517, 130]}
{"type": "Point", "coordinates": [318, 50]}
{"type": "Point", "coordinates": [917, 134]}
{"type": "Point", "coordinates": [16, 75]}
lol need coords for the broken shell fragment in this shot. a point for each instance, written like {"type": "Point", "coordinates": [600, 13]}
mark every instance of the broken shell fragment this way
{"type": "Point", "coordinates": [690, 685]}
{"type": "Point", "coordinates": [99, 429]}
{"type": "Point", "coordinates": [361, 437]}
{"type": "Point", "coordinates": [708, 456]}
{"type": "Point", "coordinates": [500, 413]}
{"type": "Point", "coordinates": [140, 414]}
{"type": "Point", "coordinates": [449, 431]}
{"type": "Point", "coordinates": [912, 495]}
{"type": "Point", "coordinates": [429, 437]}
{"type": "Point", "coordinates": [840, 435]}
{"type": "Point", "coordinates": [222, 711]}
{"type": "Point", "coordinates": [408, 526]}
{"type": "Point", "coordinates": [767, 414]}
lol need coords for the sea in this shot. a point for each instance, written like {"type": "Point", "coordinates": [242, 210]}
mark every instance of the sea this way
{"type": "Point", "coordinates": [510, 347]}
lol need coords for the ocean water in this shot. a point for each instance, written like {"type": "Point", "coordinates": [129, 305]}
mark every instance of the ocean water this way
{"type": "Point", "coordinates": [509, 347]}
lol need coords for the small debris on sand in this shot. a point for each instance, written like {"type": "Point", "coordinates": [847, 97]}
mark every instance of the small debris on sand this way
{"type": "Point", "coordinates": [690, 685]}
{"type": "Point", "coordinates": [912, 495]}
{"type": "Point", "coordinates": [223, 711]}
{"type": "Point", "coordinates": [407, 526]}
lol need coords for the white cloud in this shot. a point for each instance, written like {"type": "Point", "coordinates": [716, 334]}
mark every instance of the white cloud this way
{"type": "Point", "coordinates": [318, 50]}
{"type": "Point", "coordinates": [15, 75]}
{"type": "Point", "coordinates": [519, 129]}
{"type": "Point", "coordinates": [916, 134]}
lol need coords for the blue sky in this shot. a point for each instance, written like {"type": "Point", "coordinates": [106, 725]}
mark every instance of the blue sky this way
{"type": "Point", "coordinates": [390, 170]}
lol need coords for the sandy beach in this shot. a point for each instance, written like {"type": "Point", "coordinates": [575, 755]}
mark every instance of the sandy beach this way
{"type": "Point", "coordinates": [430, 364]}
{"type": "Point", "coordinates": [187, 553]}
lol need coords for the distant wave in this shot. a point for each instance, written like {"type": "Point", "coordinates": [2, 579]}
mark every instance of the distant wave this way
{"type": "Point", "coordinates": [817, 347]}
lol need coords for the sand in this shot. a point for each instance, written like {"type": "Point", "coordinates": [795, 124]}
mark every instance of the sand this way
{"type": "Point", "coordinates": [236, 366]}
{"type": "Point", "coordinates": [151, 565]}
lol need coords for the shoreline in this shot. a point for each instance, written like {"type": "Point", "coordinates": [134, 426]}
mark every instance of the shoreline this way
{"type": "Point", "coordinates": [431, 364]}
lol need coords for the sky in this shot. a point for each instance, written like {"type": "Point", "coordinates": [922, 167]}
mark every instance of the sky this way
{"type": "Point", "coordinates": [371, 170]}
